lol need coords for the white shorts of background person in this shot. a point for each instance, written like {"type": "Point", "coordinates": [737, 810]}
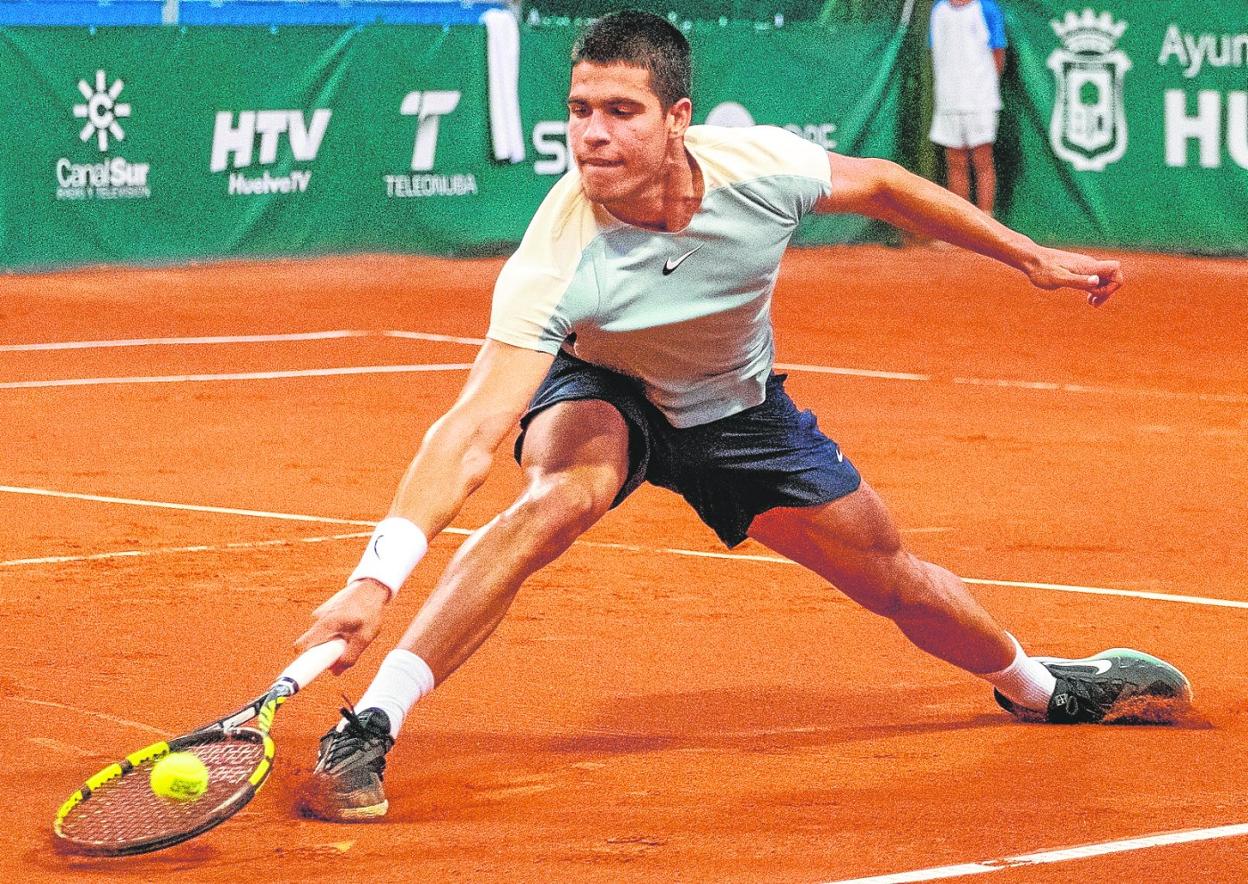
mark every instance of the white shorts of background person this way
{"type": "Point", "coordinates": [965, 130]}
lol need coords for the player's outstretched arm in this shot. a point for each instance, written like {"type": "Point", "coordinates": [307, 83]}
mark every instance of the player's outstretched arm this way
{"type": "Point", "coordinates": [881, 189]}
{"type": "Point", "coordinates": [453, 460]}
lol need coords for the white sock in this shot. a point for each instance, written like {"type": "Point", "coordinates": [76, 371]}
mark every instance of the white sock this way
{"type": "Point", "coordinates": [1025, 681]}
{"type": "Point", "coordinates": [402, 680]}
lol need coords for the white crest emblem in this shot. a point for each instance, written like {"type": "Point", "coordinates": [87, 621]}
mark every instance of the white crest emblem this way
{"type": "Point", "coordinates": [1089, 124]}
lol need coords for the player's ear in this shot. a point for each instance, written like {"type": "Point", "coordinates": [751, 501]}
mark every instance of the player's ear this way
{"type": "Point", "coordinates": [679, 115]}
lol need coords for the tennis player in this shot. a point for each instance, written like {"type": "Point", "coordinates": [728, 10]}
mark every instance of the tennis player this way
{"type": "Point", "coordinates": [631, 338]}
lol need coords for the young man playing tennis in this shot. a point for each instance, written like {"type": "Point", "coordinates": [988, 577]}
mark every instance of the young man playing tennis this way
{"type": "Point", "coordinates": [630, 336]}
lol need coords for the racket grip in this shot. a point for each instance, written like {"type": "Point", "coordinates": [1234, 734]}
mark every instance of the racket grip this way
{"type": "Point", "coordinates": [313, 662]}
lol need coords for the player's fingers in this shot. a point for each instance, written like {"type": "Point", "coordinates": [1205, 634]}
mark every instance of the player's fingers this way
{"type": "Point", "coordinates": [318, 633]}
{"type": "Point", "coordinates": [1111, 281]}
{"type": "Point", "coordinates": [356, 645]}
{"type": "Point", "coordinates": [1105, 267]}
{"type": "Point", "coordinates": [1080, 280]}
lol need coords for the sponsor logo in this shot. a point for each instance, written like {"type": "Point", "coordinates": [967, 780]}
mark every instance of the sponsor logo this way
{"type": "Point", "coordinates": [1205, 127]}
{"type": "Point", "coordinates": [1100, 667]}
{"type": "Point", "coordinates": [1193, 51]}
{"type": "Point", "coordinates": [1216, 121]}
{"type": "Point", "coordinates": [105, 177]}
{"type": "Point", "coordinates": [550, 143]}
{"type": "Point", "coordinates": [234, 146]}
{"type": "Point", "coordinates": [735, 115]}
{"type": "Point", "coordinates": [731, 114]}
{"type": "Point", "coordinates": [1088, 128]}
{"type": "Point", "coordinates": [102, 110]}
{"type": "Point", "coordinates": [549, 137]}
{"type": "Point", "coordinates": [672, 263]}
{"type": "Point", "coordinates": [428, 107]}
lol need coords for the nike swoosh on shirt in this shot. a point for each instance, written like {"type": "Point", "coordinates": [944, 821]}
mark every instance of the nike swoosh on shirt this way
{"type": "Point", "coordinates": [673, 263]}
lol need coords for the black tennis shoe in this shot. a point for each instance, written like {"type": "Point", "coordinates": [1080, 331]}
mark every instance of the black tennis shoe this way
{"type": "Point", "coordinates": [346, 782]}
{"type": "Point", "coordinates": [1119, 686]}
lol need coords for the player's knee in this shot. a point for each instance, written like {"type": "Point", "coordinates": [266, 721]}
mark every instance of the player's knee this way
{"type": "Point", "coordinates": [564, 502]}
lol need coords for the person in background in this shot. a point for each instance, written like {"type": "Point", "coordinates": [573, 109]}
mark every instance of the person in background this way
{"type": "Point", "coordinates": [968, 55]}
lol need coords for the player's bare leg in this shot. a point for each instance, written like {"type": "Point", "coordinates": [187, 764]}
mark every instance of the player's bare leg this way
{"type": "Point", "coordinates": [854, 544]}
{"type": "Point", "coordinates": [985, 178]}
{"type": "Point", "coordinates": [958, 171]}
{"type": "Point", "coordinates": [576, 460]}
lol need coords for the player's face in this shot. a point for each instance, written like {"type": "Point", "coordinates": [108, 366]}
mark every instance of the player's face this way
{"type": "Point", "coordinates": [617, 130]}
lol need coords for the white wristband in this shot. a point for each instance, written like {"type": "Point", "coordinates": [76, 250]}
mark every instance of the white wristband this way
{"type": "Point", "coordinates": [393, 552]}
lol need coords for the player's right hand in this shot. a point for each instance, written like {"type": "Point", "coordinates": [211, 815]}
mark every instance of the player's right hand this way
{"type": "Point", "coordinates": [354, 614]}
{"type": "Point", "coordinates": [1054, 268]}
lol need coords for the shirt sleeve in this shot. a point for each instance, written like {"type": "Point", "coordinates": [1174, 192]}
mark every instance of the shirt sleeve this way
{"type": "Point", "coordinates": [540, 296]}
{"type": "Point", "coordinates": [996, 24]}
{"type": "Point", "coordinates": [785, 171]}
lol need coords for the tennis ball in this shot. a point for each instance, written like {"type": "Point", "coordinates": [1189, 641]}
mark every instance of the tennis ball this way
{"type": "Point", "coordinates": [180, 776]}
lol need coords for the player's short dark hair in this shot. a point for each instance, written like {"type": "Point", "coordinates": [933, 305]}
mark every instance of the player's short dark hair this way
{"type": "Point", "coordinates": [643, 40]}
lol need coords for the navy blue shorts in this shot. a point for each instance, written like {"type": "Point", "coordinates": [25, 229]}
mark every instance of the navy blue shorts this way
{"type": "Point", "coordinates": [729, 470]}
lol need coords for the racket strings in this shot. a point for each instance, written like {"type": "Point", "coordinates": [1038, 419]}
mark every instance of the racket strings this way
{"type": "Point", "coordinates": [125, 809]}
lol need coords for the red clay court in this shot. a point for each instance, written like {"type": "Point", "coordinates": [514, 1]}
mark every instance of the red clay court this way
{"type": "Point", "coordinates": [192, 456]}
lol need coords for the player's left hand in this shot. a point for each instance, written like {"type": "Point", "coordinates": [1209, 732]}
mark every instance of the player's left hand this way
{"type": "Point", "coordinates": [1055, 269]}
{"type": "Point", "coordinates": [354, 614]}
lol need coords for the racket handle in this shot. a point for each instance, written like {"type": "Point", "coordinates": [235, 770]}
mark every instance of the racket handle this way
{"type": "Point", "coordinates": [313, 662]}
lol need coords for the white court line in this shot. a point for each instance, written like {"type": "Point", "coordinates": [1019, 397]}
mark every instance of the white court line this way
{"type": "Point", "coordinates": [237, 376]}
{"type": "Point", "coordinates": [235, 339]}
{"type": "Point", "coordinates": [168, 550]}
{"type": "Point", "coordinates": [1055, 856]}
{"type": "Point", "coordinates": [137, 725]}
{"type": "Point", "coordinates": [1045, 386]}
{"type": "Point", "coordinates": [182, 342]}
{"type": "Point", "coordinates": [674, 551]}
{"type": "Point", "coordinates": [1144, 392]}
{"type": "Point", "coordinates": [854, 372]}
{"type": "Point", "coordinates": [427, 336]}
{"type": "Point", "coordinates": [1128, 593]}
{"type": "Point", "coordinates": [189, 507]}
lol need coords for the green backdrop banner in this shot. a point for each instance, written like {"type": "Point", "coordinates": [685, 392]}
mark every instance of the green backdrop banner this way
{"type": "Point", "coordinates": [163, 144]}
{"type": "Point", "coordinates": [1133, 116]}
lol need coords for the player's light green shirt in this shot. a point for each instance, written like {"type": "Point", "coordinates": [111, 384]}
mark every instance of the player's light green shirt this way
{"type": "Point", "coordinates": [687, 313]}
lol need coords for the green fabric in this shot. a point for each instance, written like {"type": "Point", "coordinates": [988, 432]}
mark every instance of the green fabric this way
{"type": "Point", "coordinates": [1092, 139]}
{"type": "Point", "coordinates": [316, 133]}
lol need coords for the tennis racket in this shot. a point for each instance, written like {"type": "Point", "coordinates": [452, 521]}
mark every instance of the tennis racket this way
{"type": "Point", "coordinates": [116, 813]}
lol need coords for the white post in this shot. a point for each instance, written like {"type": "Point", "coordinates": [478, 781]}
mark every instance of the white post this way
{"type": "Point", "coordinates": [169, 15]}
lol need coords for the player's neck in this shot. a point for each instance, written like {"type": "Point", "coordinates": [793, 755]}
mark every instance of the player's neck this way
{"type": "Point", "coordinates": [670, 203]}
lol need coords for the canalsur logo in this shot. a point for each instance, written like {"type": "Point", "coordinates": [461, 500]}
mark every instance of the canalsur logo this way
{"type": "Point", "coordinates": [105, 176]}
{"type": "Point", "coordinates": [1089, 124]}
{"type": "Point", "coordinates": [234, 141]}
{"type": "Point", "coordinates": [102, 110]}
{"type": "Point", "coordinates": [423, 181]}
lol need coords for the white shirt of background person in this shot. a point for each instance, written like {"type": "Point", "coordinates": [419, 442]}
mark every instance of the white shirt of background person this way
{"type": "Point", "coordinates": [967, 39]}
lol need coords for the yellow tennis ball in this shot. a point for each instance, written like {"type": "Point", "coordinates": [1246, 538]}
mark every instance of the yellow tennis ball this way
{"type": "Point", "coordinates": [180, 776]}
